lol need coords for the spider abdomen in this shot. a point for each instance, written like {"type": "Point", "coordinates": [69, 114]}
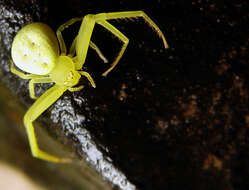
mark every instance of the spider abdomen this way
{"type": "Point", "coordinates": [35, 49]}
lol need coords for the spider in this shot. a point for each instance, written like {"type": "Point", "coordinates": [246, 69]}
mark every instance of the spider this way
{"type": "Point", "coordinates": [43, 57]}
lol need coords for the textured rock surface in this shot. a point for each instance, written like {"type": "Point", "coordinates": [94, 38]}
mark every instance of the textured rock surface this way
{"type": "Point", "coordinates": [167, 119]}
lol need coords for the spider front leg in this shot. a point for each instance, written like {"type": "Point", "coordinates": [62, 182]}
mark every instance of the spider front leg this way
{"type": "Point", "coordinates": [72, 48]}
{"type": "Point", "coordinates": [92, 45]}
{"type": "Point", "coordinates": [87, 27]}
{"type": "Point", "coordinates": [132, 14]}
{"type": "Point", "coordinates": [102, 17]}
{"type": "Point", "coordinates": [40, 105]}
{"type": "Point", "coordinates": [84, 36]}
{"type": "Point", "coordinates": [121, 36]}
{"type": "Point", "coordinates": [34, 81]}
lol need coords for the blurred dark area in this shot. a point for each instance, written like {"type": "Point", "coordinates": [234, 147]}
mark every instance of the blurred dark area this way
{"type": "Point", "coordinates": [173, 118]}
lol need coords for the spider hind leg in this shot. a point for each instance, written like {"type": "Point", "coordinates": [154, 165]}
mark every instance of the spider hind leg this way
{"type": "Point", "coordinates": [40, 105]}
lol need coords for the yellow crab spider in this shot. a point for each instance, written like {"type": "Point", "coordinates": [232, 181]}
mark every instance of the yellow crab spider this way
{"type": "Point", "coordinates": [43, 57]}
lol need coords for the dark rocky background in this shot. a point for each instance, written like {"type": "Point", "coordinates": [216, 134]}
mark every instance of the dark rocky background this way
{"type": "Point", "coordinates": [173, 118]}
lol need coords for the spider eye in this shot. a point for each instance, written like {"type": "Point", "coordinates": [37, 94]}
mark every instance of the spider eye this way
{"type": "Point", "coordinates": [72, 78]}
{"type": "Point", "coordinates": [69, 78]}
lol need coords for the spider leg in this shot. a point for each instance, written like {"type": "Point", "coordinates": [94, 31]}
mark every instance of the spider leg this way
{"type": "Point", "coordinates": [72, 48]}
{"type": "Point", "coordinates": [100, 54]}
{"type": "Point", "coordinates": [59, 35]}
{"type": "Point", "coordinates": [40, 105]}
{"type": "Point", "coordinates": [74, 89]}
{"type": "Point", "coordinates": [37, 80]}
{"type": "Point", "coordinates": [87, 27]}
{"type": "Point", "coordinates": [92, 45]}
{"type": "Point", "coordinates": [21, 74]}
{"type": "Point", "coordinates": [88, 76]}
{"type": "Point", "coordinates": [34, 79]}
{"type": "Point", "coordinates": [132, 14]}
{"type": "Point", "coordinates": [83, 39]}
{"type": "Point", "coordinates": [121, 36]}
